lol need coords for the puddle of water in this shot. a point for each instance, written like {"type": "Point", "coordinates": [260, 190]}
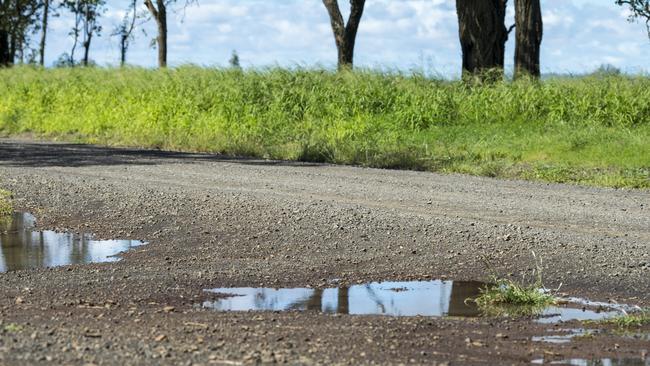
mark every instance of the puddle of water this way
{"type": "Point", "coordinates": [22, 248]}
{"type": "Point", "coordinates": [425, 298]}
{"type": "Point", "coordinates": [595, 362]}
{"type": "Point", "coordinates": [556, 314]}
{"type": "Point", "coordinates": [566, 336]}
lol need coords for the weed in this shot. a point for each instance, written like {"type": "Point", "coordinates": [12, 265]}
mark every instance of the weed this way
{"type": "Point", "coordinates": [507, 297]}
{"type": "Point", "coordinates": [12, 328]}
{"type": "Point", "coordinates": [6, 208]}
{"type": "Point", "coordinates": [630, 320]}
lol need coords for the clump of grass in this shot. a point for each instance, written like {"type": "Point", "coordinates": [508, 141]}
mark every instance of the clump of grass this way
{"type": "Point", "coordinates": [630, 320]}
{"type": "Point", "coordinates": [589, 130]}
{"type": "Point", "coordinates": [6, 208]}
{"type": "Point", "coordinates": [507, 297]}
{"type": "Point", "coordinates": [13, 328]}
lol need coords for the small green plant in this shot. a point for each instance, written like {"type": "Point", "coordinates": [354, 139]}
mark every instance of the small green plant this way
{"type": "Point", "coordinates": [630, 320]}
{"type": "Point", "coordinates": [12, 328]}
{"type": "Point", "coordinates": [6, 208]}
{"type": "Point", "coordinates": [507, 297]}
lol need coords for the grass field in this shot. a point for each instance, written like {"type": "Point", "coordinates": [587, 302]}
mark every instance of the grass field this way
{"type": "Point", "coordinates": [589, 130]}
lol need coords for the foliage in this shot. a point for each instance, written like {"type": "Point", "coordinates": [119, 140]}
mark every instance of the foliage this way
{"type": "Point", "coordinates": [588, 130]}
{"type": "Point", "coordinates": [639, 9]}
{"type": "Point", "coordinates": [6, 208]}
{"type": "Point", "coordinates": [13, 328]}
{"type": "Point", "coordinates": [507, 297]}
{"type": "Point", "coordinates": [18, 20]}
{"type": "Point", "coordinates": [86, 14]}
{"type": "Point", "coordinates": [607, 70]}
{"type": "Point", "coordinates": [234, 60]}
{"type": "Point", "coordinates": [631, 320]}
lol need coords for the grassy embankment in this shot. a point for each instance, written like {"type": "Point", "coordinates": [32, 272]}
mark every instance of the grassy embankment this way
{"type": "Point", "coordinates": [591, 130]}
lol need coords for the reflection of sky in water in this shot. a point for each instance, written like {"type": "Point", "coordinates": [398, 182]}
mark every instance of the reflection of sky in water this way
{"type": "Point", "coordinates": [594, 362]}
{"type": "Point", "coordinates": [427, 298]}
{"type": "Point", "coordinates": [557, 314]}
{"type": "Point", "coordinates": [22, 248]}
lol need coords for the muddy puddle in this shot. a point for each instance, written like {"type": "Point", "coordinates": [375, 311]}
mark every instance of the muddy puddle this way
{"type": "Point", "coordinates": [21, 247]}
{"type": "Point", "coordinates": [414, 298]}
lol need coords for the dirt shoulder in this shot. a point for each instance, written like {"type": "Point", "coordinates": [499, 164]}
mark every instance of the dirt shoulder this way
{"type": "Point", "coordinates": [215, 221]}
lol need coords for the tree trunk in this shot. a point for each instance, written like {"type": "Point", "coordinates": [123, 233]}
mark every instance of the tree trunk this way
{"type": "Point", "coordinates": [529, 29]}
{"type": "Point", "coordinates": [87, 48]}
{"type": "Point", "coordinates": [483, 36]}
{"type": "Point", "coordinates": [4, 48]}
{"type": "Point", "coordinates": [159, 13]}
{"type": "Point", "coordinates": [46, 11]}
{"type": "Point", "coordinates": [12, 48]}
{"type": "Point", "coordinates": [123, 47]}
{"type": "Point", "coordinates": [345, 35]}
{"type": "Point", "coordinates": [162, 34]}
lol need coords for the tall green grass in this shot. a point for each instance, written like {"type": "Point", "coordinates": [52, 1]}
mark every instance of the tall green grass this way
{"type": "Point", "coordinates": [591, 130]}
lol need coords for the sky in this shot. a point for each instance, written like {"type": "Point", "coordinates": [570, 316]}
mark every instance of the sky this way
{"type": "Point", "coordinates": [422, 35]}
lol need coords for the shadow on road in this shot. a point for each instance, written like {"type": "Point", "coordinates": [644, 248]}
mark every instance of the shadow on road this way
{"type": "Point", "coordinates": [43, 154]}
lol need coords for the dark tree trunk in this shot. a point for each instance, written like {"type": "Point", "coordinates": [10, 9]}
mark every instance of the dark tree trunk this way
{"type": "Point", "coordinates": [123, 48]}
{"type": "Point", "coordinates": [46, 11]}
{"type": "Point", "coordinates": [4, 48]}
{"type": "Point", "coordinates": [125, 32]}
{"type": "Point", "coordinates": [159, 13]}
{"type": "Point", "coordinates": [483, 37]}
{"type": "Point", "coordinates": [162, 34]}
{"type": "Point", "coordinates": [13, 46]}
{"type": "Point", "coordinates": [529, 29]}
{"type": "Point", "coordinates": [87, 48]}
{"type": "Point", "coordinates": [345, 35]}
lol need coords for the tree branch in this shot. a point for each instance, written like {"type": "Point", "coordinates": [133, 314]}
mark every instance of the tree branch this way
{"type": "Point", "coordinates": [336, 19]}
{"type": "Point", "coordinates": [152, 8]}
{"type": "Point", "coordinates": [355, 16]}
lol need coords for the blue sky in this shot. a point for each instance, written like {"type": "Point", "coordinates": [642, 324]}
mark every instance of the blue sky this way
{"type": "Point", "coordinates": [579, 35]}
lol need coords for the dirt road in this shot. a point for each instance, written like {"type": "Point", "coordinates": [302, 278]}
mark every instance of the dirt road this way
{"type": "Point", "coordinates": [214, 221]}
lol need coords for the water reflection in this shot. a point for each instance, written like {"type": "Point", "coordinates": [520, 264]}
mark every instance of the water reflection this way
{"type": "Point", "coordinates": [426, 298]}
{"type": "Point", "coordinates": [556, 314]}
{"type": "Point", "coordinates": [595, 362]}
{"type": "Point", "coordinates": [21, 247]}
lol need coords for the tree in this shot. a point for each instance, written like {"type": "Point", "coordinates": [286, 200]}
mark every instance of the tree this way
{"type": "Point", "coordinates": [18, 19]}
{"type": "Point", "coordinates": [125, 30]}
{"type": "Point", "coordinates": [529, 29]}
{"type": "Point", "coordinates": [46, 13]}
{"type": "Point", "coordinates": [159, 14]}
{"type": "Point", "coordinates": [483, 36]}
{"type": "Point", "coordinates": [234, 60]}
{"type": "Point", "coordinates": [86, 13]}
{"type": "Point", "coordinates": [345, 34]}
{"type": "Point", "coordinates": [640, 9]}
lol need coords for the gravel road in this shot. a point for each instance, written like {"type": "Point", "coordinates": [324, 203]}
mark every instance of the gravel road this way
{"type": "Point", "coordinates": [216, 221]}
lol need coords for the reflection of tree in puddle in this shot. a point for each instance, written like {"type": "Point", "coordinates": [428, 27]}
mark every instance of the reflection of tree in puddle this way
{"type": "Point", "coordinates": [460, 293]}
{"type": "Point", "coordinates": [438, 298]}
